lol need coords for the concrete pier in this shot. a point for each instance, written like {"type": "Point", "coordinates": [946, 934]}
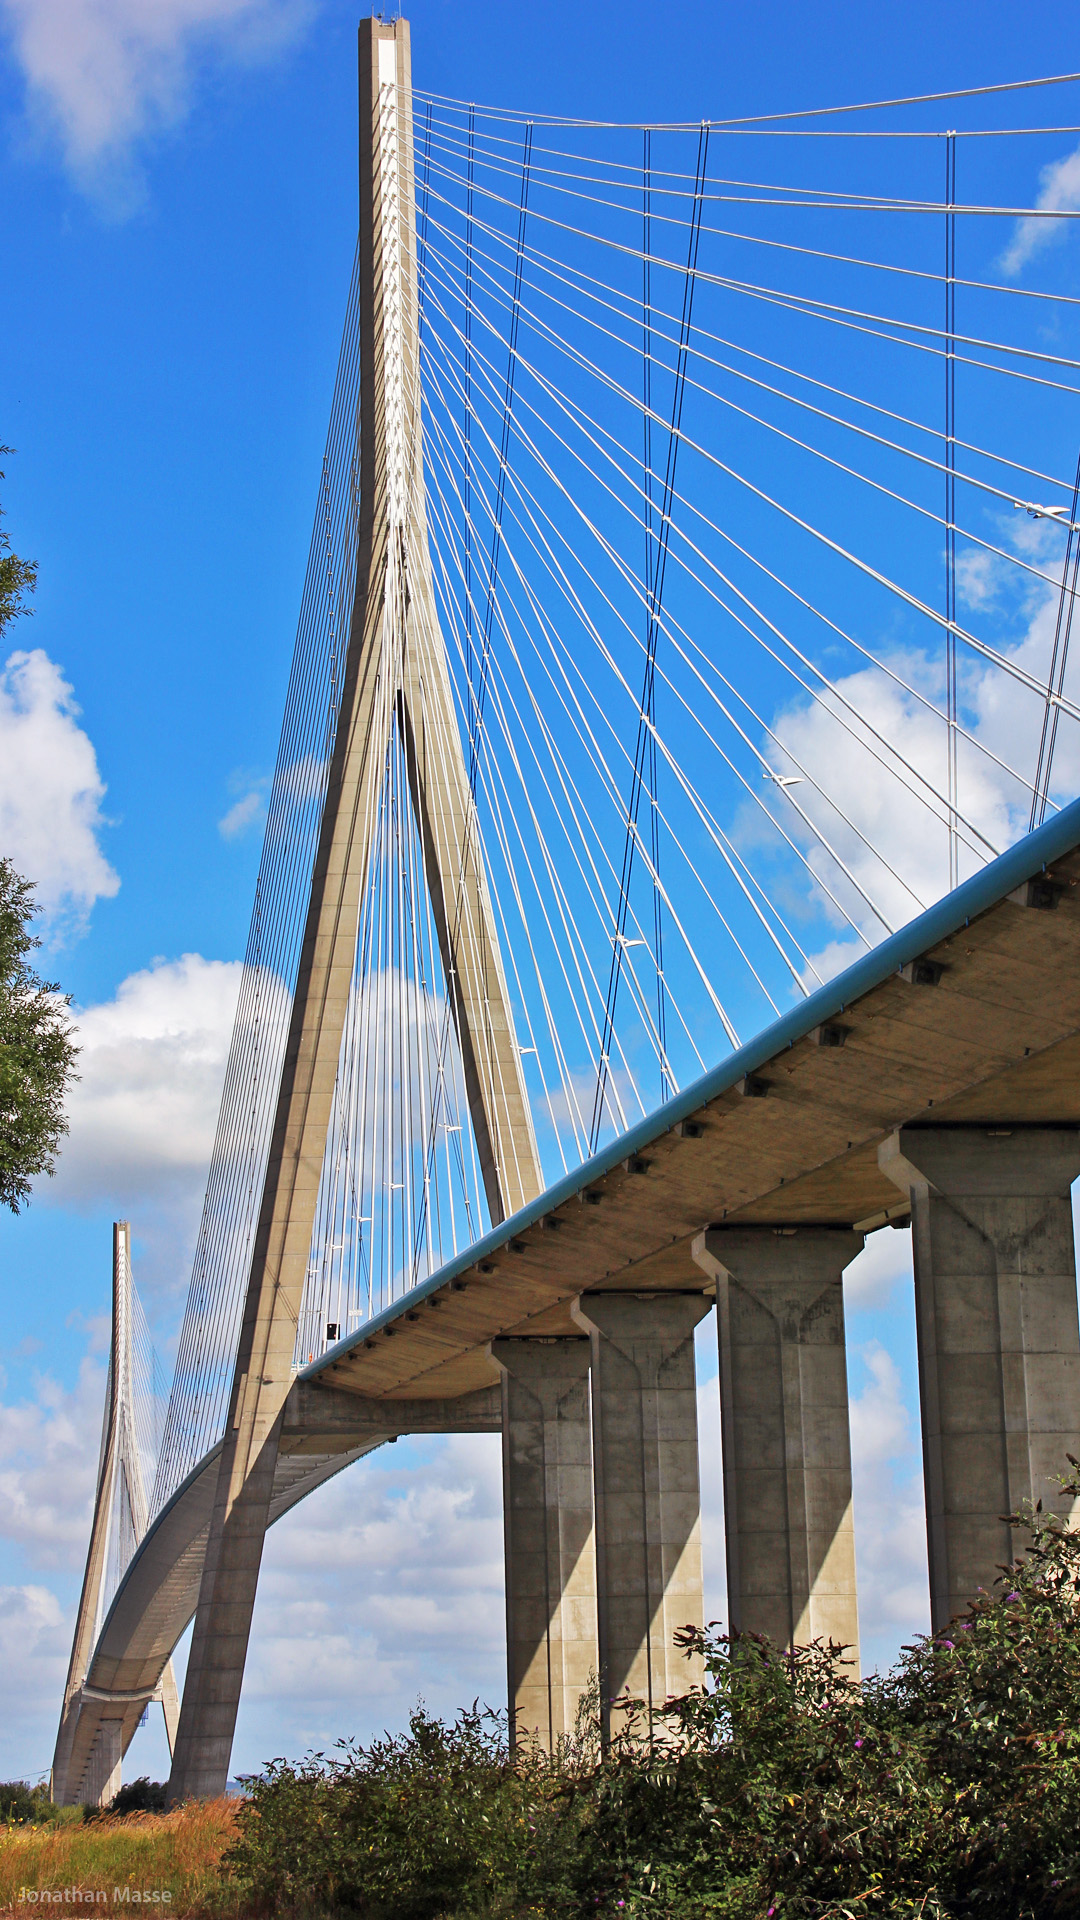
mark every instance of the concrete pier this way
{"type": "Point", "coordinates": [647, 1495]}
{"type": "Point", "coordinates": [104, 1772]}
{"type": "Point", "coordinates": [786, 1439]}
{"type": "Point", "coordinates": [551, 1650]}
{"type": "Point", "coordinates": [999, 1346]}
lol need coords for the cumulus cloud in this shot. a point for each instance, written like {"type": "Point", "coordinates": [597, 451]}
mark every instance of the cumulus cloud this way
{"type": "Point", "coordinates": [144, 1111]}
{"type": "Point", "coordinates": [884, 1260]}
{"type": "Point", "coordinates": [48, 1461]}
{"type": "Point", "coordinates": [881, 815]}
{"type": "Point", "coordinates": [50, 793]}
{"type": "Point", "coordinates": [890, 1519]}
{"type": "Point", "coordinates": [152, 1065]}
{"type": "Point", "coordinates": [1059, 192]}
{"type": "Point", "coordinates": [101, 75]}
{"type": "Point", "coordinates": [385, 1585]}
{"type": "Point", "coordinates": [48, 1465]}
{"type": "Point", "coordinates": [871, 758]}
{"type": "Point", "coordinates": [568, 1108]}
{"type": "Point", "coordinates": [31, 1621]}
{"type": "Point", "coordinates": [711, 1468]}
{"type": "Point", "coordinates": [35, 1641]}
{"type": "Point", "coordinates": [978, 577]}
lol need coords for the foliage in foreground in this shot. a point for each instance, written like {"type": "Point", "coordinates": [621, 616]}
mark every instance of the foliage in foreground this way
{"type": "Point", "coordinates": [177, 1853]}
{"type": "Point", "coordinates": [16, 576]}
{"type": "Point", "coordinates": [948, 1789]}
{"type": "Point", "coordinates": [135, 1796]}
{"type": "Point", "coordinates": [37, 1053]}
{"type": "Point", "coordinates": [22, 1805]}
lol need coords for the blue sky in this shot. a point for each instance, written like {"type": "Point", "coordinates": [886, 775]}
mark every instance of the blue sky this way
{"type": "Point", "coordinates": [177, 205]}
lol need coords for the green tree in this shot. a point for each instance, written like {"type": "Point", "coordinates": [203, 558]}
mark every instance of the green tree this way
{"type": "Point", "coordinates": [37, 1053]}
{"type": "Point", "coordinates": [16, 576]}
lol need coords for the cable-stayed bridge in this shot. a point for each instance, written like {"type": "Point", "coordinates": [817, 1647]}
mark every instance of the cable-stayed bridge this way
{"type": "Point", "coordinates": [654, 689]}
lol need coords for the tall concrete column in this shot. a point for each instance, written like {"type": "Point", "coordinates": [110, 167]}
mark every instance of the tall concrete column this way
{"type": "Point", "coordinates": [999, 1346]}
{"type": "Point", "coordinates": [104, 1772]}
{"type": "Point", "coordinates": [786, 1438]}
{"type": "Point", "coordinates": [548, 1529]}
{"type": "Point", "coordinates": [648, 1502]}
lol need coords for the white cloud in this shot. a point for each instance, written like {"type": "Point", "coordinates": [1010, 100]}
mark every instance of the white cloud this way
{"type": "Point", "coordinates": [385, 1585]}
{"type": "Point", "coordinates": [242, 814]}
{"type": "Point", "coordinates": [249, 807]}
{"type": "Point", "coordinates": [31, 1622]}
{"type": "Point", "coordinates": [50, 793]}
{"type": "Point", "coordinates": [144, 1111]}
{"type": "Point", "coordinates": [874, 804]}
{"type": "Point", "coordinates": [35, 1642]}
{"type": "Point", "coordinates": [890, 1519]}
{"type": "Point", "coordinates": [103, 74]}
{"type": "Point", "coordinates": [711, 1467]}
{"type": "Point", "coordinates": [152, 1066]}
{"type": "Point", "coordinates": [878, 801]}
{"type": "Point", "coordinates": [48, 1462]}
{"type": "Point", "coordinates": [48, 1465]}
{"type": "Point", "coordinates": [978, 576]}
{"type": "Point", "coordinates": [1059, 191]}
{"type": "Point", "coordinates": [568, 1107]}
{"type": "Point", "coordinates": [880, 1423]}
{"type": "Point", "coordinates": [884, 1260]}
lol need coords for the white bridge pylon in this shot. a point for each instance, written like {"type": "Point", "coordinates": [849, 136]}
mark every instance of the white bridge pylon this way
{"type": "Point", "coordinates": [120, 1521]}
{"type": "Point", "coordinates": [395, 681]}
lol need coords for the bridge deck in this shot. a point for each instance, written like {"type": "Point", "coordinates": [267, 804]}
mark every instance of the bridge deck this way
{"type": "Point", "coordinates": [785, 1133]}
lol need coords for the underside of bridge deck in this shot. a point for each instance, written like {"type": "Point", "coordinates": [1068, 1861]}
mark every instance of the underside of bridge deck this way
{"type": "Point", "coordinates": [979, 1027]}
{"type": "Point", "coordinates": [940, 1077]}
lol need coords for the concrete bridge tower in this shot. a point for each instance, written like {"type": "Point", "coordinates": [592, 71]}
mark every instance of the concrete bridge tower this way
{"type": "Point", "coordinates": [395, 676]}
{"type": "Point", "coordinates": [120, 1516]}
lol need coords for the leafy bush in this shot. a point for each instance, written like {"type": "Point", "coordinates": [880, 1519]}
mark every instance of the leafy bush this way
{"type": "Point", "coordinates": [948, 1789]}
{"type": "Point", "coordinates": [21, 1803]}
{"type": "Point", "coordinates": [428, 1823]}
{"type": "Point", "coordinates": [140, 1796]}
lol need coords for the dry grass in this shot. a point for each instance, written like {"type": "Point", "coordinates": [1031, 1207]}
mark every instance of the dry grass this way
{"type": "Point", "coordinates": [174, 1853]}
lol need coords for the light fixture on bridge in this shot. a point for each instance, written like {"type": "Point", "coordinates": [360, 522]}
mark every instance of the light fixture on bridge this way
{"type": "Point", "coordinates": [1037, 512]}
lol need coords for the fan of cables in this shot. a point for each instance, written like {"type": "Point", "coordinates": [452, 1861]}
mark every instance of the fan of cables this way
{"type": "Point", "coordinates": [751, 490]}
